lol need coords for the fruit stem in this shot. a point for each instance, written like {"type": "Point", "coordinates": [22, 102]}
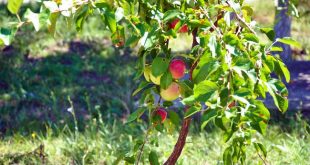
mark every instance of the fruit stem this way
{"type": "Point", "coordinates": [186, 122]}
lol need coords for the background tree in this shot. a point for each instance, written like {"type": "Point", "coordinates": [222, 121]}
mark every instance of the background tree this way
{"type": "Point", "coordinates": [282, 28]}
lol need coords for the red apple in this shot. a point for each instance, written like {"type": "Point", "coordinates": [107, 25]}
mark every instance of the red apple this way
{"type": "Point", "coordinates": [161, 112]}
{"type": "Point", "coordinates": [183, 29]}
{"type": "Point", "coordinates": [177, 68]}
{"type": "Point", "coordinates": [171, 93]}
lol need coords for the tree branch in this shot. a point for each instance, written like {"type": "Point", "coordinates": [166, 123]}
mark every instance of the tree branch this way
{"type": "Point", "coordinates": [241, 19]}
{"type": "Point", "coordinates": [186, 122]}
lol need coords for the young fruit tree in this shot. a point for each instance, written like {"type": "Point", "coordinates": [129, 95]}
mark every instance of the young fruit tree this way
{"type": "Point", "coordinates": [224, 77]}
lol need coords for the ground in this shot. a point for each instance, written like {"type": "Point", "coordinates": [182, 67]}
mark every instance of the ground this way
{"type": "Point", "coordinates": [40, 76]}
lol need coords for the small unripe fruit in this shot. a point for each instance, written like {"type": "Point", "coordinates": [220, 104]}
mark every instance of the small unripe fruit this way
{"type": "Point", "coordinates": [171, 93]}
{"type": "Point", "coordinates": [161, 112]}
{"type": "Point", "coordinates": [177, 68]}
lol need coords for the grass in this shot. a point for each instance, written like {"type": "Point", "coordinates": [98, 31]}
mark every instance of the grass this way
{"type": "Point", "coordinates": [103, 143]}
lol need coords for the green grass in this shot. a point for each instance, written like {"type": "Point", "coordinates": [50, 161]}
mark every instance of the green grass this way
{"type": "Point", "coordinates": [106, 144]}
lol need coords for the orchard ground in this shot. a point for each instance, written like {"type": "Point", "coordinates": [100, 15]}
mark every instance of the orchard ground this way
{"type": "Point", "coordinates": [39, 76]}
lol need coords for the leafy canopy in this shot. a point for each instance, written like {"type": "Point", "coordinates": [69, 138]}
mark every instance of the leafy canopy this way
{"type": "Point", "coordinates": [228, 68]}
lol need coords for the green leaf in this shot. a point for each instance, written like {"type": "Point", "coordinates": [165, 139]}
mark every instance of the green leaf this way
{"type": "Point", "coordinates": [141, 86]}
{"type": "Point", "coordinates": [231, 39]}
{"type": "Point", "coordinates": [81, 16]}
{"type": "Point", "coordinates": [130, 159]}
{"type": "Point", "coordinates": [292, 10]}
{"type": "Point", "coordinates": [281, 70]}
{"type": "Point", "coordinates": [14, 5]}
{"type": "Point", "coordinates": [240, 99]}
{"type": "Point", "coordinates": [251, 37]}
{"type": "Point", "coordinates": [276, 49]}
{"type": "Point", "coordinates": [174, 118]}
{"type": "Point", "coordinates": [247, 10]}
{"type": "Point", "coordinates": [118, 38]}
{"type": "Point", "coordinates": [224, 97]}
{"type": "Point", "coordinates": [186, 88]}
{"type": "Point", "coordinates": [280, 101]}
{"type": "Point", "coordinates": [260, 148]}
{"type": "Point", "coordinates": [289, 41]}
{"type": "Point", "coordinates": [222, 122]}
{"type": "Point", "coordinates": [259, 89]}
{"type": "Point", "coordinates": [227, 156]}
{"type": "Point", "coordinates": [135, 115]}
{"type": "Point", "coordinates": [204, 70]}
{"type": "Point", "coordinates": [132, 41]}
{"type": "Point", "coordinates": [191, 111]}
{"type": "Point", "coordinates": [33, 18]}
{"type": "Point", "coordinates": [52, 21]}
{"type": "Point", "coordinates": [207, 116]}
{"type": "Point", "coordinates": [153, 158]}
{"type": "Point", "coordinates": [243, 92]}
{"type": "Point", "coordinates": [159, 66]}
{"type": "Point", "coordinates": [171, 14]}
{"type": "Point", "coordinates": [119, 14]}
{"type": "Point", "coordinates": [213, 45]}
{"type": "Point", "coordinates": [259, 116]}
{"type": "Point", "coordinates": [269, 61]}
{"type": "Point", "coordinates": [201, 3]}
{"type": "Point", "coordinates": [110, 20]}
{"type": "Point", "coordinates": [166, 80]}
{"type": "Point", "coordinates": [204, 90]}
{"type": "Point", "coordinates": [269, 33]}
{"type": "Point", "coordinates": [189, 100]}
{"type": "Point", "coordinates": [167, 103]}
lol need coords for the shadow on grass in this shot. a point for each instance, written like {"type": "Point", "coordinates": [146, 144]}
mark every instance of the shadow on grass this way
{"type": "Point", "coordinates": [35, 91]}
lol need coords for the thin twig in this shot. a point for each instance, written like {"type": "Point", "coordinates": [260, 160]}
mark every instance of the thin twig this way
{"type": "Point", "coordinates": [241, 19]}
{"type": "Point", "coordinates": [212, 24]}
{"type": "Point", "coordinates": [264, 161]}
{"type": "Point", "coordinates": [18, 17]}
{"type": "Point", "coordinates": [143, 144]}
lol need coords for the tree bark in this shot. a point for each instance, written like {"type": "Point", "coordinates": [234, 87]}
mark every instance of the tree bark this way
{"type": "Point", "coordinates": [282, 29]}
{"type": "Point", "coordinates": [180, 143]}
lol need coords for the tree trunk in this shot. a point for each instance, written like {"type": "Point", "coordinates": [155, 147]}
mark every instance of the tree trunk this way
{"type": "Point", "coordinates": [283, 29]}
{"type": "Point", "coordinates": [178, 148]}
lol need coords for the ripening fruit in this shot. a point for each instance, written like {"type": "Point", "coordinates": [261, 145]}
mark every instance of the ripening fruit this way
{"type": "Point", "coordinates": [119, 44]}
{"type": "Point", "coordinates": [162, 113]}
{"type": "Point", "coordinates": [171, 93]}
{"type": "Point", "coordinates": [177, 68]}
{"type": "Point", "coordinates": [232, 104]}
{"type": "Point", "coordinates": [183, 29]}
{"type": "Point", "coordinates": [150, 77]}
